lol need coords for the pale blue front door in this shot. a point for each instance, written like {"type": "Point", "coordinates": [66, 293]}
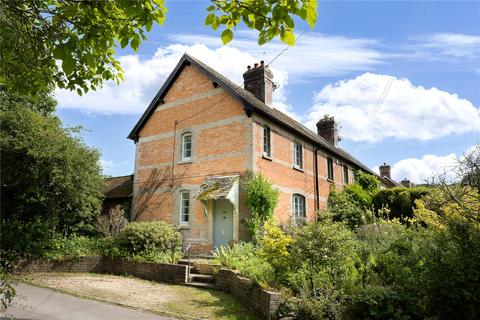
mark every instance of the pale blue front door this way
{"type": "Point", "coordinates": [222, 223]}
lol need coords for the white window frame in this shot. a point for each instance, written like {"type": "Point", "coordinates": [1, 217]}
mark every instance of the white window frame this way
{"type": "Point", "coordinates": [299, 209]}
{"type": "Point", "coordinates": [184, 207]}
{"type": "Point", "coordinates": [267, 141]}
{"type": "Point", "coordinates": [330, 160]}
{"type": "Point", "coordinates": [186, 150]}
{"type": "Point", "coordinates": [297, 156]}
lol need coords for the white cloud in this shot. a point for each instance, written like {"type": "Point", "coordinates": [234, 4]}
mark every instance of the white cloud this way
{"type": "Point", "coordinates": [426, 168]}
{"type": "Point", "coordinates": [448, 45]}
{"type": "Point", "coordinates": [430, 167]}
{"type": "Point", "coordinates": [144, 78]}
{"type": "Point", "coordinates": [315, 55]}
{"type": "Point", "coordinates": [408, 111]}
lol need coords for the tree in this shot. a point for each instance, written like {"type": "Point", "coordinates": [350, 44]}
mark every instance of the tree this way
{"type": "Point", "coordinates": [271, 18]}
{"type": "Point", "coordinates": [48, 173]}
{"type": "Point", "coordinates": [84, 34]}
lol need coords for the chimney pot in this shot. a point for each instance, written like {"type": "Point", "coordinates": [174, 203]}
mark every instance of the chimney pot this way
{"type": "Point", "coordinates": [262, 63]}
{"type": "Point", "coordinates": [327, 129]}
{"type": "Point", "coordinates": [256, 65]}
{"type": "Point", "coordinates": [248, 67]}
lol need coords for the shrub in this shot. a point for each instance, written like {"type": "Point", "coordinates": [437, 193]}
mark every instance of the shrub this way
{"type": "Point", "coordinates": [142, 241]}
{"type": "Point", "coordinates": [112, 223]}
{"type": "Point", "coordinates": [323, 268]}
{"type": "Point", "coordinates": [26, 239]}
{"type": "Point", "coordinates": [274, 246]}
{"type": "Point", "coordinates": [244, 258]}
{"type": "Point", "coordinates": [342, 208]}
{"type": "Point", "coordinates": [399, 201]}
{"type": "Point", "coordinates": [261, 197]}
{"type": "Point", "coordinates": [74, 247]}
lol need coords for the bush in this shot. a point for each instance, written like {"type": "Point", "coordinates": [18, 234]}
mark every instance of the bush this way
{"type": "Point", "coordinates": [244, 258]}
{"type": "Point", "coordinates": [274, 247]}
{"type": "Point", "coordinates": [149, 241]}
{"type": "Point", "coordinates": [262, 198]}
{"type": "Point", "coordinates": [399, 201]}
{"type": "Point", "coordinates": [76, 247]}
{"type": "Point", "coordinates": [342, 208]}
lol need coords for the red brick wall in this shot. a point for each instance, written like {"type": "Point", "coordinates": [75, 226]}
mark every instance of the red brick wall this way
{"type": "Point", "coordinates": [219, 147]}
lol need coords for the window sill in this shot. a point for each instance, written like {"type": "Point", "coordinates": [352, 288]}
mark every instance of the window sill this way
{"type": "Point", "coordinates": [298, 169]}
{"type": "Point", "coordinates": [264, 156]}
{"type": "Point", "coordinates": [185, 227]}
{"type": "Point", "coordinates": [185, 162]}
{"type": "Point", "coordinates": [330, 180]}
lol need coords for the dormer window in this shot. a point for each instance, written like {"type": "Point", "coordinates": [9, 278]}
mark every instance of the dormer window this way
{"type": "Point", "coordinates": [187, 146]}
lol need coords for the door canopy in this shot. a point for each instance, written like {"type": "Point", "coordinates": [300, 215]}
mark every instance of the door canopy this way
{"type": "Point", "coordinates": [220, 187]}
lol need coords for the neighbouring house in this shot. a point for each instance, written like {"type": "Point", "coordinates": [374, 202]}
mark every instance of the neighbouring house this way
{"type": "Point", "coordinates": [202, 132]}
{"type": "Point", "coordinates": [387, 181]}
{"type": "Point", "coordinates": [118, 192]}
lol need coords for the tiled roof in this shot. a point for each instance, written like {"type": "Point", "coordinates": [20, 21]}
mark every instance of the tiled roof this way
{"type": "Point", "coordinates": [251, 104]}
{"type": "Point", "coordinates": [216, 187]}
{"type": "Point", "coordinates": [118, 187]}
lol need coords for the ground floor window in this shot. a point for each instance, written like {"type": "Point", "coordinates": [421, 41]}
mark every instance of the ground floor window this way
{"type": "Point", "coordinates": [298, 206]}
{"type": "Point", "coordinates": [184, 207]}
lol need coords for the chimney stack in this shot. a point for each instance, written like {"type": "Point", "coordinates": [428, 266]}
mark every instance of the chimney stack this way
{"type": "Point", "coordinates": [327, 129]}
{"type": "Point", "coordinates": [258, 80]}
{"type": "Point", "coordinates": [385, 171]}
{"type": "Point", "coordinates": [406, 183]}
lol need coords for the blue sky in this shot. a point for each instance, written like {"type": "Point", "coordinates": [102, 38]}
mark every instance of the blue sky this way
{"type": "Point", "coordinates": [424, 54]}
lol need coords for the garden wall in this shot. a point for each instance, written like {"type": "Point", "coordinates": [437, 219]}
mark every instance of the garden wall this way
{"type": "Point", "coordinates": [161, 272]}
{"type": "Point", "coordinates": [259, 300]}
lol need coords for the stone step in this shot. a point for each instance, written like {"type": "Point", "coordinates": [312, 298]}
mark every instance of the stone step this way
{"type": "Point", "coordinates": [185, 262]}
{"type": "Point", "coordinates": [202, 268]}
{"type": "Point", "coordinates": [202, 285]}
{"type": "Point", "coordinates": [204, 278]}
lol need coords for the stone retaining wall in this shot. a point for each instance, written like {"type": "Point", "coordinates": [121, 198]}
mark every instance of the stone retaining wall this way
{"type": "Point", "coordinates": [161, 272]}
{"type": "Point", "coordinates": [259, 300]}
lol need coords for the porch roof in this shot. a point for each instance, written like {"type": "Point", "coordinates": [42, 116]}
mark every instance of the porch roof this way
{"type": "Point", "coordinates": [216, 187]}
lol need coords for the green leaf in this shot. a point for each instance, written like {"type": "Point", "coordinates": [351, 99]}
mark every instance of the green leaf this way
{"type": "Point", "coordinates": [211, 8]}
{"type": "Point", "coordinates": [288, 37]}
{"type": "Point", "coordinates": [124, 42]}
{"type": "Point", "coordinates": [215, 23]}
{"type": "Point", "coordinates": [227, 36]}
{"type": "Point", "coordinates": [59, 53]}
{"type": "Point", "coordinates": [289, 21]}
{"type": "Point", "coordinates": [209, 19]}
{"type": "Point", "coordinates": [68, 65]}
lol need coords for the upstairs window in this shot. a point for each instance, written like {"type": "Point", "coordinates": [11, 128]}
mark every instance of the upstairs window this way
{"type": "Point", "coordinates": [186, 146]}
{"type": "Point", "coordinates": [330, 169]}
{"type": "Point", "coordinates": [345, 174]}
{"type": "Point", "coordinates": [298, 209]}
{"type": "Point", "coordinates": [266, 142]}
{"type": "Point", "coordinates": [297, 155]}
{"type": "Point", "coordinates": [184, 207]}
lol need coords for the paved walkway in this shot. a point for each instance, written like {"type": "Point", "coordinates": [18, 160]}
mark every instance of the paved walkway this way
{"type": "Point", "coordinates": [34, 303]}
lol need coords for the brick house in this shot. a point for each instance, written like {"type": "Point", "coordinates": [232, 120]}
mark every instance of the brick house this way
{"type": "Point", "coordinates": [202, 132]}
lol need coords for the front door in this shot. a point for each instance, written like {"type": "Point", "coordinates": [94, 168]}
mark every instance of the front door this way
{"type": "Point", "coordinates": [222, 223]}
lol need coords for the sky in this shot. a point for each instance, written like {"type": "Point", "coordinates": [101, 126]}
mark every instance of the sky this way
{"type": "Point", "coordinates": [402, 79]}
